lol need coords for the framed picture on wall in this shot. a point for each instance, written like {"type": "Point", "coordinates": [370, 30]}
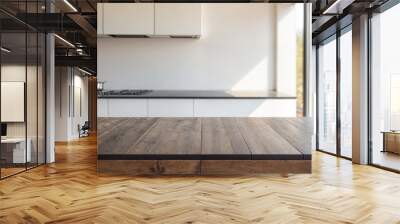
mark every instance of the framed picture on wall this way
{"type": "Point", "coordinates": [12, 101]}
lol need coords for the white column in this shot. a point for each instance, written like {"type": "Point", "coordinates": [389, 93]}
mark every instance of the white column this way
{"type": "Point", "coordinates": [50, 99]}
{"type": "Point", "coordinates": [360, 90]}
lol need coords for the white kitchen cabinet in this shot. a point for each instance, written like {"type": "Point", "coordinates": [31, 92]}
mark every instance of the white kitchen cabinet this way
{"type": "Point", "coordinates": [127, 108]}
{"type": "Point", "coordinates": [196, 107]}
{"type": "Point", "coordinates": [245, 107]}
{"type": "Point", "coordinates": [102, 107]}
{"type": "Point", "coordinates": [128, 18]}
{"type": "Point", "coordinates": [171, 108]}
{"type": "Point", "coordinates": [178, 19]}
{"type": "Point", "coordinates": [100, 30]}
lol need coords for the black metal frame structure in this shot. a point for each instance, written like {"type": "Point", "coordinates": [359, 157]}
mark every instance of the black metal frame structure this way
{"type": "Point", "coordinates": [31, 30]}
{"type": "Point", "coordinates": [335, 37]}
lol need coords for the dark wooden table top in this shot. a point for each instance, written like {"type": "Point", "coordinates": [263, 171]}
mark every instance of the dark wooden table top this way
{"type": "Point", "coordinates": [204, 138]}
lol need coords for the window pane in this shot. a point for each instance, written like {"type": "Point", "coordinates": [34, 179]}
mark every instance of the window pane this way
{"type": "Point", "coordinates": [14, 153]}
{"type": "Point", "coordinates": [346, 94]}
{"type": "Point", "coordinates": [327, 97]}
{"type": "Point", "coordinates": [41, 98]}
{"type": "Point", "coordinates": [31, 100]}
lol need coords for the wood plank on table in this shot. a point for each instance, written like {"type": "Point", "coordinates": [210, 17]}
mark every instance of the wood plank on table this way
{"type": "Point", "coordinates": [296, 135]}
{"type": "Point", "coordinates": [124, 134]}
{"type": "Point", "coordinates": [263, 140]}
{"type": "Point", "coordinates": [171, 136]}
{"type": "Point", "coordinates": [106, 125]}
{"type": "Point", "coordinates": [221, 136]}
{"type": "Point", "coordinates": [303, 123]}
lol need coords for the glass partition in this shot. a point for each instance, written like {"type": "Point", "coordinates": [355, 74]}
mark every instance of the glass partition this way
{"type": "Point", "coordinates": [41, 97]}
{"type": "Point", "coordinates": [14, 153]}
{"type": "Point", "coordinates": [22, 87]}
{"type": "Point", "coordinates": [31, 99]}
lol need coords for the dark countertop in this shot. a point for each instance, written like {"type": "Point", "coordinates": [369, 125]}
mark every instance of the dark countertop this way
{"type": "Point", "coordinates": [204, 94]}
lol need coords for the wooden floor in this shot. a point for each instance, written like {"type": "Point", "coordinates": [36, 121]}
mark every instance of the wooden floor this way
{"type": "Point", "coordinates": [71, 191]}
{"type": "Point", "coordinates": [5, 172]}
{"type": "Point", "coordinates": [386, 159]}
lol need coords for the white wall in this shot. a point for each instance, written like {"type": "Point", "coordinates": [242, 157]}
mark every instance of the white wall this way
{"type": "Point", "coordinates": [62, 81]}
{"type": "Point", "coordinates": [286, 34]}
{"type": "Point", "coordinates": [79, 117]}
{"type": "Point", "coordinates": [17, 73]}
{"type": "Point", "coordinates": [33, 126]}
{"type": "Point", "coordinates": [69, 82]}
{"type": "Point", "coordinates": [235, 52]}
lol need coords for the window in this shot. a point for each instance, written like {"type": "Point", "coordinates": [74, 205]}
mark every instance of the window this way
{"type": "Point", "coordinates": [335, 94]}
{"type": "Point", "coordinates": [346, 94]}
{"type": "Point", "coordinates": [327, 97]}
{"type": "Point", "coordinates": [385, 89]}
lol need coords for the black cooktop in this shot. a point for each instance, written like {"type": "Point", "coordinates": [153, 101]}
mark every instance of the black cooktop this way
{"type": "Point", "coordinates": [193, 94]}
{"type": "Point", "coordinates": [126, 92]}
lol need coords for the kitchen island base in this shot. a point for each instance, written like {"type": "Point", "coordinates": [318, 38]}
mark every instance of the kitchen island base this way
{"type": "Point", "coordinates": [202, 167]}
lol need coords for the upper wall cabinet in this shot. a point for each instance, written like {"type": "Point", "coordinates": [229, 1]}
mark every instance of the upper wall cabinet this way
{"type": "Point", "coordinates": [178, 19]}
{"type": "Point", "coordinates": [128, 18]}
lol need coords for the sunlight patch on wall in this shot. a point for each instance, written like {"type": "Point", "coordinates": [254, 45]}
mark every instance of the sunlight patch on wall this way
{"type": "Point", "coordinates": [256, 79]}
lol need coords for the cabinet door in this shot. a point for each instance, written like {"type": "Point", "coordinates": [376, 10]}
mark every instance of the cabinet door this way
{"type": "Point", "coordinates": [180, 19]}
{"type": "Point", "coordinates": [170, 107]}
{"type": "Point", "coordinates": [102, 107]}
{"type": "Point", "coordinates": [127, 108]}
{"type": "Point", "coordinates": [128, 18]}
{"type": "Point", "coordinates": [245, 108]}
{"type": "Point", "coordinates": [100, 30]}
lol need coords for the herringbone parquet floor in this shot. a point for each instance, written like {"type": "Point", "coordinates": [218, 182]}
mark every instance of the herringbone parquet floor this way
{"type": "Point", "coordinates": [70, 191]}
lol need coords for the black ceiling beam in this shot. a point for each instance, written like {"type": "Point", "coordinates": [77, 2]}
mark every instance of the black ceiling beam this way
{"type": "Point", "coordinates": [78, 61]}
{"type": "Point", "coordinates": [337, 7]}
{"type": "Point", "coordinates": [386, 5]}
{"type": "Point", "coordinates": [84, 24]}
{"type": "Point", "coordinates": [321, 23]}
{"type": "Point", "coordinates": [324, 27]}
{"type": "Point", "coordinates": [49, 22]}
{"type": "Point", "coordinates": [10, 25]}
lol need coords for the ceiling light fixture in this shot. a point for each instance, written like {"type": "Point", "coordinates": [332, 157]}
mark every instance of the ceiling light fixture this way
{"type": "Point", "coordinates": [64, 40]}
{"type": "Point", "coordinates": [84, 71]}
{"type": "Point", "coordinates": [337, 7]}
{"type": "Point", "coordinates": [70, 5]}
{"type": "Point", "coordinates": [5, 50]}
{"type": "Point", "coordinates": [328, 10]}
